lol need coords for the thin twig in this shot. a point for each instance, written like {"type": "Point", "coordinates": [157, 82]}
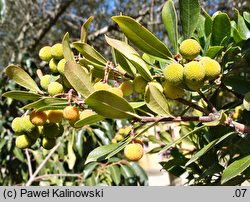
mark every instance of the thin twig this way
{"type": "Point", "coordinates": [29, 162]}
{"type": "Point", "coordinates": [58, 175]}
{"type": "Point", "coordinates": [193, 105]}
{"type": "Point", "coordinates": [210, 105]}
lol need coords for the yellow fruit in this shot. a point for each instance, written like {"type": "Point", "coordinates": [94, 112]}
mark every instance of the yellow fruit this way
{"type": "Point", "coordinates": [23, 141]}
{"type": "Point", "coordinates": [127, 88]}
{"type": "Point", "coordinates": [55, 88]}
{"type": "Point", "coordinates": [118, 137]}
{"type": "Point", "coordinates": [45, 53]}
{"type": "Point", "coordinates": [173, 73]}
{"type": "Point", "coordinates": [34, 134]}
{"type": "Point", "coordinates": [57, 51]}
{"type": "Point", "coordinates": [26, 124]}
{"type": "Point", "coordinates": [156, 84]}
{"type": "Point", "coordinates": [133, 152]}
{"type": "Point", "coordinates": [38, 118]}
{"type": "Point", "coordinates": [116, 91]}
{"type": "Point", "coordinates": [113, 141]}
{"type": "Point", "coordinates": [212, 68]}
{"type": "Point", "coordinates": [17, 125]}
{"type": "Point", "coordinates": [71, 113]}
{"type": "Point", "coordinates": [86, 113]}
{"type": "Point", "coordinates": [48, 143]}
{"type": "Point", "coordinates": [53, 65]}
{"type": "Point", "coordinates": [121, 131]}
{"type": "Point", "coordinates": [246, 101]}
{"type": "Point", "coordinates": [139, 84]}
{"type": "Point", "coordinates": [60, 66]}
{"type": "Point", "coordinates": [45, 81]}
{"type": "Point", "coordinates": [55, 116]}
{"type": "Point", "coordinates": [190, 49]}
{"type": "Point", "coordinates": [194, 74]}
{"type": "Point", "coordinates": [101, 86]}
{"type": "Point", "coordinates": [172, 92]}
{"type": "Point", "coordinates": [50, 130]}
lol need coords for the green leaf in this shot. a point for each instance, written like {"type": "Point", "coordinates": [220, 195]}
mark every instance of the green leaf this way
{"type": "Point", "coordinates": [242, 27]}
{"type": "Point", "coordinates": [84, 29]}
{"type": "Point", "coordinates": [140, 172]}
{"type": "Point", "coordinates": [141, 37]}
{"type": "Point", "coordinates": [109, 105]}
{"type": "Point", "coordinates": [127, 171]}
{"type": "Point", "coordinates": [115, 174]}
{"type": "Point", "coordinates": [156, 101]}
{"type": "Point", "coordinates": [21, 95]}
{"type": "Point", "coordinates": [207, 148]}
{"type": "Point", "coordinates": [169, 18]}
{"type": "Point", "coordinates": [88, 120]}
{"type": "Point", "coordinates": [208, 23]}
{"type": "Point", "coordinates": [237, 83]}
{"type": "Point", "coordinates": [246, 16]}
{"type": "Point", "coordinates": [22, 78]}
{"type": "Point", "coordinates": [67, 52]}
{"type": "Point", "coordinates": [137, 104]}
{"type": "Point", "coordinates": [235, 168]}
{"type": "Point", "coordinates": [120, 147]}
{"type": "Point", "coordinates": [89, 168]}
{"type": "Point", "coordinates": [101, 152]}
{"type": "Point", "coordinates": [125, 63]}
{"type": "Point", "coordinates": [90, 53]}
{"type": "Point", "coordinates": [219, 34]}
{"type": "Point", "coordinates": [189, 14]}
{"type": "Point", "coordinates": [78, 78]}
{"type": "Point", "coordinates": [201, 27]}
{"type": "Point", "coordinates": [213, 51]}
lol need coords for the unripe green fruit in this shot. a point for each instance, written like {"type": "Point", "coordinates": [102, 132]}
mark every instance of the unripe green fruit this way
{"type": "Point", "coordinates": [116, 91]}
{"type": "Point", "coordinates": [50, 130]}
{"type": "Point", "coordinates": [55, 116]}
{"type": "Point", "coordinates": [139, 84]}
{"type": "Point", "coordinates": [34, 134]}
{"type": "Point", "coordinates": [55, 88]}
{"type": "Point", "coordinates": [48, 143]}
{"type": "Point", "coordinates": [53, 65]}
{"type": "Point", "coordinates": [190, 49]}
{"type": "Point", "coordinates": [38, 118]}
{"type": "Point", "coordinates": [172, 92]}
{"type": "Point", "coordinates": [194, 74]}
{"type": "Point", "coordinates": [246, 101]}
{"type": "Point", "coordinates": [71, 113]}
{"type": "Point", "coordinates": [212, 68]}
{"type": "Point", "coordinates": [101, 86]}
{"type": "Point", "coordinates": [156, 84]}
{"type": "Point", "coordinates": [26, 124]}
{"type": "Point", "coordinates": [86, 113]}
{"type": "Point", "coordinates": [173, 73]}
{"type": "Point", "coordinates": [127, 88]}
{"type": "Point", "coordinates": [17, 125]}
{"type": "Point", "coordinates": [23, 141]}
{"type": "Point", "coordinates": [45, 53]}
{"type": "Point", "coordinates": [133, 152]}
{"type": "Point", "coordinates": [60, 66]}
{"type": "Point", "coordinates": [57, 51]}
{"type": "Point", "coordinates": [45, 81]}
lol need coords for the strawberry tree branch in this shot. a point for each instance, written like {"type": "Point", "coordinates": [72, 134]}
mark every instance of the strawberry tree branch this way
{"type": "Point", "coordinates": [210, 105]}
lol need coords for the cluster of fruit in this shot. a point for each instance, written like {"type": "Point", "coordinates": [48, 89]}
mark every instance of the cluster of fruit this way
{"type": "Point", "coordinates": [121, 134]}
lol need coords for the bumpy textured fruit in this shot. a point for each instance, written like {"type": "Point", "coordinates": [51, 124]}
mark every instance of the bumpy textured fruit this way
{"type": "Point", "coordinates": [194, 74]}
{"type": "Point", "coordinates": [113, 141]}
{"type": "Point", "coordinates": [45, 53]}
{"type": "Point", "coordinates": [173, 73]}
{"type": "Point", "coordinates": [55, 116]}
{"type": "Point", "coordinates": [118, 137]}
{"type": "Point", "coordinates": [45, 81]}
{"type": "Point", "coordinates": [55, 88]}
{"type": "Point", "coordinates": [17, 125]}
{"type": "Point", "coordinates": [86, 113]}
{"type": "Point", "coordinates": [34, 134]}
{"type": "Point", "coordinates": [127, 88]}
{"type": "Point", "coordinates": [53, 65]}
{"type": "Point", "coordinates": [60, 66]}
{"type": "Point", "coordinates": [116, 91]}
{"type": "Point", "coordinates": [190, 49]}
{"type": "Point", "coordinates": [172, 92]}
{"type": "Point", "coordinates": [156, 84]}
{"type": "Point", "coordinates": [134, 151]}
{"type": "Point", "coordinates": [101, 86]}
{"type": "Point", "coordinates": [50, 130]}
{"type": "Point", "coordinates": [23, 141]}
{"type": "Point", "coordinates": [57, 51]}
{"type": "Point", "coordinates": [71, 113]}
{"type": "Point", "coordinates": [139, 84]}
{"type": "Point", "coordinates": [212, 68]}
{"type": "Point", "coordinates": [48, 143]}
{"type": "Point", "coordinates": [26, 124]}
{"type": "Point", "coordinates": [38, 118]}
{"type": "Point", "coordinates": [246, 101]}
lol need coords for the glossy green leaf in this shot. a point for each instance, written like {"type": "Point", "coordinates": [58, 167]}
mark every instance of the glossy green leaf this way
{"type": "Point", "coordinates": [189, 15]}
{"type": "Point", "coordinates": [208, 23]}
{"type": "Point", "coordinates": [90, 53]}
{"type": "Point", "coordinates": [78, 78]}
{"type": "Point", "coordinates": [71, 157]}
{"type": "Point", "coordinates": [156, 101]}
{"type": "Point", "coordinates": [67, 52]}
{"type": "Point", "coordinates": [89, 168]}
{"type": "Point", "coordinates": [213, 51]}
{"type": "Point", "coordinates": [125, 63]}
{"type": "Point", "coordinates": [127, 171]}
{"type": "Point", "coordinates": [169, 18]}
{"type": "Point", "coordinates": [109, 105]}
{"type": "Point", "coordinates": [120, 147]}
{"type": "Point", "coordinates": [88, 120]}
{"type": "Point", "coordinates": [246, 16]}
{"type": "Point", "coordinates": [235, 168]}
{"type": "Point", "coordinates": [115, 174]}
{"type": "Point", "coordinates": [21, 95]}
{"type": "Point", "coordinates": [242, 27]}
{"type": "Point", "coordinates": [207, 148]}
{"type": "Point", "coordinates": [201, 27]}
{"type": "Point", "coordinates": [140, 172]}
{"type": "Point", "coordinates": [141, 37]}
{"type": "Point", "coordinates": [219, 34]}
{"type": "Point", "coordinates": [101, 152]}
{"type": "Point", "coordinates": [235, 32]}
{"type": "Point", "coordinates": [84, 29]}
{"type": "Point", "coordinates": [137, 104]}
{"type": "Point", "coordinates": [22, 78]}
{"type": "Point", "coordinates": [237, 83]}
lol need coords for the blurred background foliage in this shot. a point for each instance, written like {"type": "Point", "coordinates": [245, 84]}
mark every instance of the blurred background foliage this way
{"type": "Point", "coordinates": [28, 25]}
